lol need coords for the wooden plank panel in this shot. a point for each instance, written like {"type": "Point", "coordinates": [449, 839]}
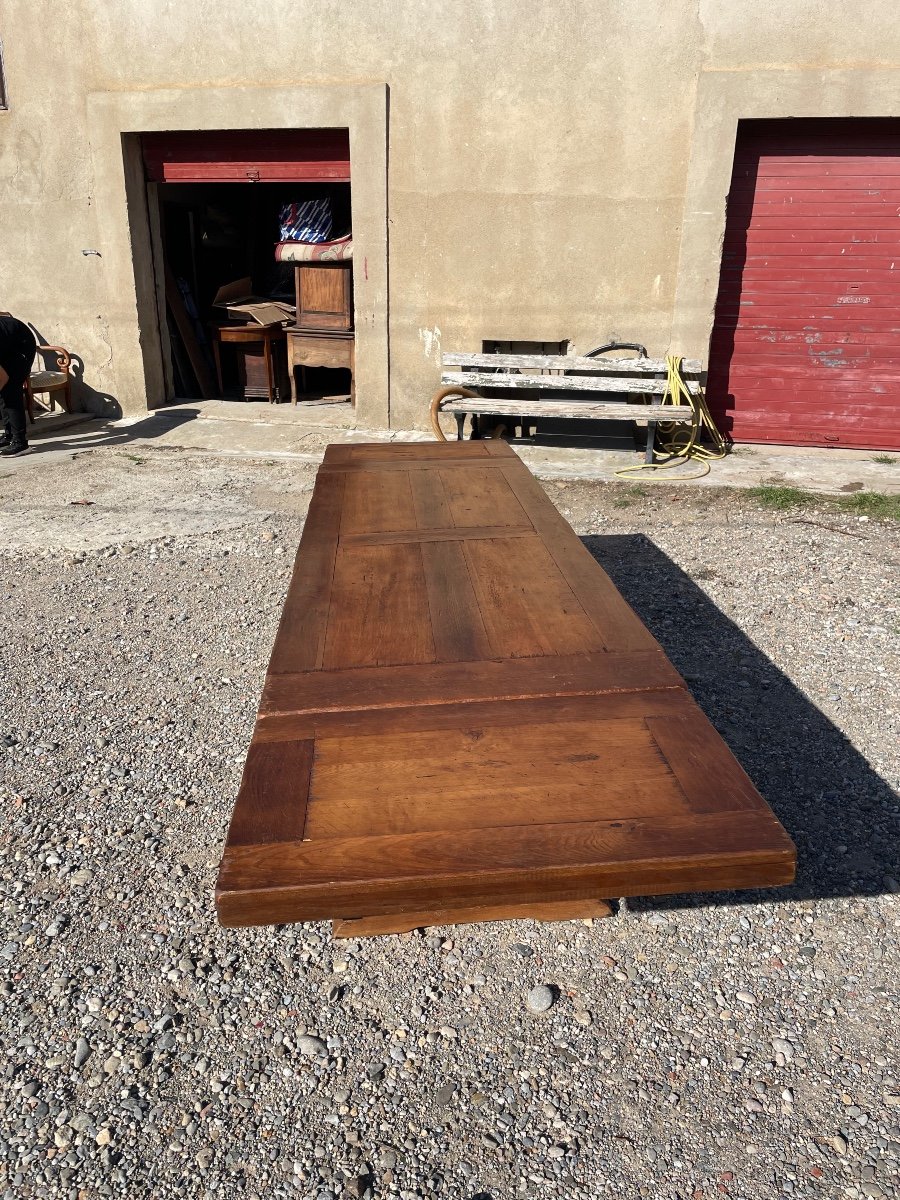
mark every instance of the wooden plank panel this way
{"type": "Point", "coordinates": [456, 622]}
{"type": "Point", "coordinates": [379, 613]}
{"type": "Point", "coordinates": [620, 628]}
{"type": "Point", "coordinates": [377, 502]}
{"type": "Point", "coordinates": [271, 805]}
{"type": "Point", "coordinates": [482, 497]}
{"type": "Point", "coordinates": [377, 688]}
{"type": "Point", "coordinates": [702, 763]}
{"type": "Point", "coordinates": [430, 500]}
{"type": "Point", "coordinates": [475, 714]}
{"type": "Point", "coordinates": [300, 641]}
{"type": "Point", "coordinates": [534, 774]}
{"type": "Point", "coordinates": [640, 856]}
{"type": "Point", "coordinates": [526, 603]}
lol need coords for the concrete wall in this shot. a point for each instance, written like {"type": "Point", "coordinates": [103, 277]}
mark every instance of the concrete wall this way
{"type": "Point", "coordinates": [552, 171]}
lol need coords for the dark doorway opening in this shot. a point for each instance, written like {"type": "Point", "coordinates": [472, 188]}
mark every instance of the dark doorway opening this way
{"type": "Point", "coordinates": [215, 234]}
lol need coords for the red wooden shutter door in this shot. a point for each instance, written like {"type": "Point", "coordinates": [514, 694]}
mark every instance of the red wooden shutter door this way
{"type": "Point", "coordinates": [806, 344]}
{"type": "Point", "coordinates": [247, 155]}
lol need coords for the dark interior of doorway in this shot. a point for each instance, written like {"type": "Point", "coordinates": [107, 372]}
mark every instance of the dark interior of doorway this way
{"type": "Point", "coordinates": [216, 233]}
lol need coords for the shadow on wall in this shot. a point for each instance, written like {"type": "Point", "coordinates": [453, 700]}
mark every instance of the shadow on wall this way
{"type": "Point", "coordinates": [84, 397]}
{"type": "Point", "coordinates": [842, 815]}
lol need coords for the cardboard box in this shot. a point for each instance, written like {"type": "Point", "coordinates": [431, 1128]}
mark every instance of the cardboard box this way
{"type": "Point", "coordinates": [238, 301]}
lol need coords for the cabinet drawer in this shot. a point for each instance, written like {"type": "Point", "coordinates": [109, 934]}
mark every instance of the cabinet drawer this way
{"type": "Point", "coordinates": [321, 352]}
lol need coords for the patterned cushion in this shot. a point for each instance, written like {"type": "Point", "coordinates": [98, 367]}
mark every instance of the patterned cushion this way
{"type": "Point", "coordinates": [306, 221]}
{"type": "Point", "coordinates": [338, 251]}
{"type": "Point", "coordinates": [44, 381]}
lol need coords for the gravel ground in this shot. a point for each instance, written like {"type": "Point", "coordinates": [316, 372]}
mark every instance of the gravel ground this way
{"type": "Point", "coordinates": [717, 1046]}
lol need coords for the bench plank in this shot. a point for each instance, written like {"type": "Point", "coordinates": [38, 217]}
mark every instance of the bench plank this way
{"type": "Point", "coordinates": [561, 362]}
{"type": "Point", "coordinates": [463, 716]}
{"type": "Point", "coordinates": [561, 383]}
{"type": "Point", "coordinates": [580, 410]}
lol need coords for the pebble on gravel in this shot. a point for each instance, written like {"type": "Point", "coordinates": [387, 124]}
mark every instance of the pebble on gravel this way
{"type": "Point", "coordinates": [782, 1046]}
{"type": "Point", "coordinates": [311, 1046]}
{"type": "Point", "coordinates": [540, 999]}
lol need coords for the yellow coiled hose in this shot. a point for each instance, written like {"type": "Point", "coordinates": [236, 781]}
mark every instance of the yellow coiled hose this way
{"type": "Point", "coordinates": [683, 445]}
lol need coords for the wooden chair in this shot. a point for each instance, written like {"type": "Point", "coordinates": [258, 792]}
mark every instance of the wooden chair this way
{"type": "Point", "coordinates": [51, 381]}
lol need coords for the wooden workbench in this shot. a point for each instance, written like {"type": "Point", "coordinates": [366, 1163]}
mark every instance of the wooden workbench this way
{"type": "Point", "coordinates": [464, 720]}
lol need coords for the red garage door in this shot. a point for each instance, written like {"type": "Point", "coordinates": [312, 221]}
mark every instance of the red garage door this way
{"type": "Point", "coordinates": [806, 344]}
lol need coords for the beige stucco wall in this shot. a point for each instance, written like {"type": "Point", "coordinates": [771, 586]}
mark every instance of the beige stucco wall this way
{"type": "Point", "coordinates": [548, 171]}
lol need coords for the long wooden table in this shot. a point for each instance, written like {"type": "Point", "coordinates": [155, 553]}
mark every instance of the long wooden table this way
{"type": "Point", "coordinates": [463, 720]}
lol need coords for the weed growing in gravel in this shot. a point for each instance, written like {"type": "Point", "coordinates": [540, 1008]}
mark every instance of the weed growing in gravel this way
{"type": "Point", "coordinates": [861, 504]}
{"type": "Point", "coordinates": [871, 504]}
{"type": "Point", "coordinates": [887, 459]}
{"type": "Point", "coordinates": [634, 491]}
{"type": "Point", "coordinates": [781, 498]}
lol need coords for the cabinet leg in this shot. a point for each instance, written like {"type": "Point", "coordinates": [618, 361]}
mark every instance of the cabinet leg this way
{"type": "Point", "coordinates": [292, 372]}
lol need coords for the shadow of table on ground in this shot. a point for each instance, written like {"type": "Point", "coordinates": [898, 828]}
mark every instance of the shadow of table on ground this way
{"type": "Point", "coordinates": [841, 814]}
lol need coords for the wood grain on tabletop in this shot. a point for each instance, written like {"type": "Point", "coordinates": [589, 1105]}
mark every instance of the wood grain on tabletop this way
{"type": "Point", "coordinates": [462, 715]}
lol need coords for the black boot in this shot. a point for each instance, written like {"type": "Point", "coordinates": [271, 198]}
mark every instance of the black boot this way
{"type": "Point", "coordinates": [5, 436]}
{"type": "Point", "coordinates": [17, 447]}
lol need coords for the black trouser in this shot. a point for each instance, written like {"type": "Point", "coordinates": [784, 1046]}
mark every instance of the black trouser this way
{"type": "Point", "coordinates": [16, 359]}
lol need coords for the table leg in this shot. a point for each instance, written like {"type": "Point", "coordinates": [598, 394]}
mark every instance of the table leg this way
{"type": "Point", "coordinates": [217, 354]}
{"type": "Point", "coordinates": [267, 351]}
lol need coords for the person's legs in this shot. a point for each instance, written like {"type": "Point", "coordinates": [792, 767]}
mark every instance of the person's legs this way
{"type": "Point", "coordinates": [13, 400]}
{"type": "Point", "coordinates": [16, 370]}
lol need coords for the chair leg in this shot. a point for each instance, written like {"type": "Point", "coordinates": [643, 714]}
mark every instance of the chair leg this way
{"type": "Point", "coordinates": [29, 402]}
